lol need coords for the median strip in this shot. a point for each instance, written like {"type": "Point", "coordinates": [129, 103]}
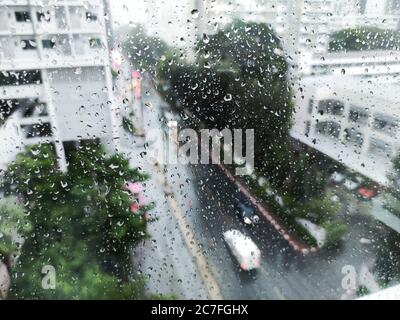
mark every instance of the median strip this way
{"type": "Point", "coordinates": [294, 243]}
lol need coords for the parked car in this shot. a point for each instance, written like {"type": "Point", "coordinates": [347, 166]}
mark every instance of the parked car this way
{"type": "Point", "coordinates": [351, 184]}
{"type": "Point", "coordinates": [243, 249]}
{"type": "Point", "coordinates": [367, 193]}
{"type": "Point", "coordinates": [338, 177]}
{"type": "Point", "coordinates": [246, 213]}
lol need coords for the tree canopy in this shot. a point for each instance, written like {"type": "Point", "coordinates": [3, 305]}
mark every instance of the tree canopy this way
{"type": "Point", "coordinates": [81, 222]}
{"type": "Point", "coordinates": [144, 51]}
{"type": "Point", "coordinates": [364, 38]}
{"type": "Point", "coordinates": [239, 80]}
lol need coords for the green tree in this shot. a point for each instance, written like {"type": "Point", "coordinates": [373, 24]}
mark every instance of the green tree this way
{"type": "Point", "coordinates": [364, 38]}
{"type": "Point", "coordinates": [239, 80]}
{"type": "Point", "coordinates": [144, 51]}
{"type": "Point", "coordinates": [388, 259]}
{"type": "Point", "coordinates": [81, 224]}
{"type": "Point", "coordinates": [14, 226]}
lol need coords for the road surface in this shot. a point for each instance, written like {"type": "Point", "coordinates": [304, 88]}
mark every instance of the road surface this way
{"type": "Point", "coordinates": [205, 199]}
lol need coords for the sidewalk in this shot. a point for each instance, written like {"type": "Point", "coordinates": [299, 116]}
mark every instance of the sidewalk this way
{"type": "Point", "coordinates": [164, 260]}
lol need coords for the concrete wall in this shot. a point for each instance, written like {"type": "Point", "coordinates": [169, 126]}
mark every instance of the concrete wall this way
{"type": "Point", "coordinates": [81, 103]}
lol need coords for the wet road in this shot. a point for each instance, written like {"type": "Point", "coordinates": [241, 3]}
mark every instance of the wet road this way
{"type": "Point", "coordinates": [205, 198]}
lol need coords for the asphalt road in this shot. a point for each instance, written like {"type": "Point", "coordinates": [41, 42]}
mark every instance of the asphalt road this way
{"type": "Point", "coordinates": [205, 199]}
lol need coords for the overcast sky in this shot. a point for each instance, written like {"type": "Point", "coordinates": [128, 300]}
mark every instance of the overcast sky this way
{"type": "Point", "coordinates": [164, 18]}
{"type": "Point", "coordinates": [128, 11]}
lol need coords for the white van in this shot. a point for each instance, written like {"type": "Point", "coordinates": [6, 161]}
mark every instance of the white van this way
{"type": "Point", "coordinates": [243, 249]}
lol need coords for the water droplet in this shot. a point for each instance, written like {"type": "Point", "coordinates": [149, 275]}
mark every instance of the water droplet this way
{"type": "Point", "coordinates": [228, 97]}
{"type": "Point", "coordinates": [195, 13]}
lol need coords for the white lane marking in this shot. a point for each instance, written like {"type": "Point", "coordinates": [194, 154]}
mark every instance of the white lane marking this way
{"type": "Point", "coordinates": [279, 293]}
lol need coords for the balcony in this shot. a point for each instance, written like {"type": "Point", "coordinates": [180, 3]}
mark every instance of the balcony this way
{"type": "Point", "coordinates": [21, 91]}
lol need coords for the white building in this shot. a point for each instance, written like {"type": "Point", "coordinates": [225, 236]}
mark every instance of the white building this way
{"type": "Point", "coordinates": [55, 80]}
{"type": "Point", "coordinates": [303, 25]}
{"type": "Point", "coordinates": [353, 120]}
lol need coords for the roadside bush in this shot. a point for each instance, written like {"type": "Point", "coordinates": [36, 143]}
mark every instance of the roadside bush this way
{"type": "Point", "coordinates": [335, 230]}
{"type": "Point", "coordinates": [362, 291]}
{"type": "Point", "coordinates": [317, 210]}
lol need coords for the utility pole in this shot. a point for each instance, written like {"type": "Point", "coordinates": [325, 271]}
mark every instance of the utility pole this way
{"type": "Point", "coordinates": [110, 82]}
{"type": "Point", "coordinates": [109, 24]}
{"type": "Point", "coordinates": [199, 6]}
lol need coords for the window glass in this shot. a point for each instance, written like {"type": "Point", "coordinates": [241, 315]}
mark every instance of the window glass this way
{"type": "Point", "coordinates": [22, 16]}
{"type": "Point", "coordinates": [199, 150]}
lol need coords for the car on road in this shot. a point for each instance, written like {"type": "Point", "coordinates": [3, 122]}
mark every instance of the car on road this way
{"type": "Point", "coordinates": [352, 184]}
{"type": "Point", "coordinates": [337, 177]}
{"type": "Point", "coordinates": [246, 213]}
{"type": "Point", "coordinates": [366, 193]}
{"type": "Point", "coordinates": [243, 249]}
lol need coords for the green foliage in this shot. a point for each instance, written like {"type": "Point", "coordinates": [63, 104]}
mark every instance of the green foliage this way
{"type": "Point", "coordinates": [322, 211]}
{"type": "Point", "coordinates": [81, 222]}
{"type": "Point", "coordinates": [394, 178]}
{"type": "Point", "coordinates": [364, 38]}
{"type": "Point", "coordinates": [362, 291]}
{"type": "Point", "coordinates": [335, 230]}
{"type": "Point", "coordinates": [304, 177]}
{"type": "Point", "coordinates": [387, 264]}
{"type": "Point", "coordinates": [128, 125]}
{"type": "Point", "coordinates": [317, 210]}
{"type": "Point", "coordinates": [391, 203]}
{"type": "Point", "coordinates": [388, 260]}
{"type": "Point", "coordinates": [238, 81]}
{"type": "Point", "coordinates": [144, 51]}
{"type": "Point", "coordinates": [162, 297]}
{"type": "Point", "coordinates": [14, 224]}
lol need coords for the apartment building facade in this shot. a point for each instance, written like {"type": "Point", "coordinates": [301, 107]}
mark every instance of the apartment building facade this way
{"type": "Point", "coordinates": [353, 120]}
{"type": "Point", "coordinates": [55, 79]}
{"type": "Point", "coordinates": [304, 26]}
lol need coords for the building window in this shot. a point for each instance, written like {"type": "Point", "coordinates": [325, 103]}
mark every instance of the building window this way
{"type": "Point", "coordinates": [310, 106]}
{"type": "Point", "coordinates": [48, 44]}
{"type": "Point", "coordinates": [15, 78]}
{"type": "Point", "coordinates": [37, 130]}
{"type": "Point", "coordinates": [380, 148]}
{"type": "Point", "coordinates": [22, 16]}
{"type": "Point", "coordinates": [95, 43]}
{"type": "Point", "coordinates": [358, 115]}
{"type": "Point", "coordinates": [330, 106]}
{"type": "Point", "coordinates": [354, 137]}
{"type": "Point", "coordinates": [28, 44]}
{"type": "Point", "coordinates": [386, 124]}
{"type": "Point", "coordinates": [329, 128]}
{"type": "Point", "coordinates": [308, 128]}
{"type": "Point", "coordinates": [43, 16]}
{"type": "Point", "coordinates": [91, 17]}
{"type": "Point", "coordinates": [34, 109]}
{"type": "Point", "coordinates": [393, 7]}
